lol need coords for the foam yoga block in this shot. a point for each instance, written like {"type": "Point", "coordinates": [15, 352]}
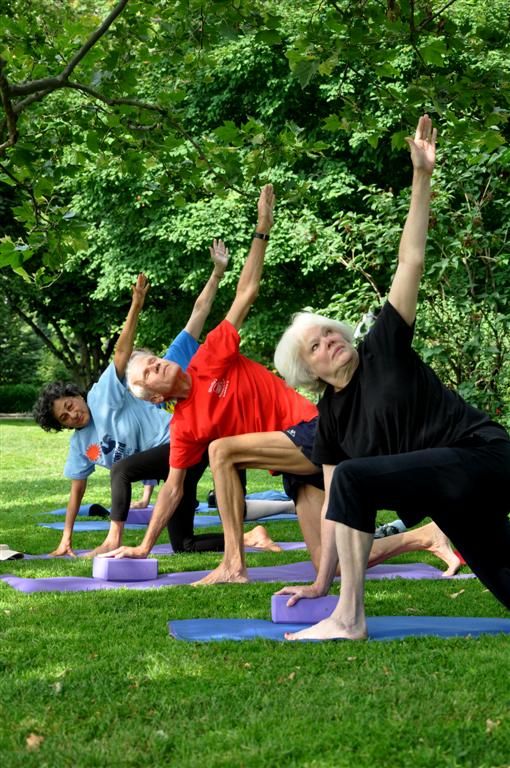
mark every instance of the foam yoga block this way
{"type": "Point", "coordinates": [304, 611]}
{"type": "Point", "coordinates": [125, 569]}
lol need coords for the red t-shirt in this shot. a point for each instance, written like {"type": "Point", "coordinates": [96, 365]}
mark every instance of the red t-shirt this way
{"type": "Point", "coordinates": [230, 395]}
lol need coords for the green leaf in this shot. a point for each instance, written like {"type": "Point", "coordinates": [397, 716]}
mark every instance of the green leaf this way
{"type": "Point", "coordinates": [434, 52]}
{"type": "Point", "coordinates": [268, 37]}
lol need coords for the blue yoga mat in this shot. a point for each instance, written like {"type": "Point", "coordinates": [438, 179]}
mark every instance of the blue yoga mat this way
{"type": "Point", "coordinates": [92, 525]}
{"type": "Point", "coordinates": [86, 510]}
{"type": "Point", "coordinates": [201, 521]}
{"type": "Point", "coordinates": [379, 628]}
{"type": "Point", "coordinates": [91, 510]}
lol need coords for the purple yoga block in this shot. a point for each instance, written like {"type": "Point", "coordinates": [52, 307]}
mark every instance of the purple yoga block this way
{"type": "Point", "coordinates": [305, 611]}
{"type": "Point", "coordinates": [125, 569]}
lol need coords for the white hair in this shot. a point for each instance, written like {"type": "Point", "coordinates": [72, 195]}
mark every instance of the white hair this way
{"type": "Point", "coordinates": [138, 390]}
{"type": "Point", "coordinates": [288, 359]}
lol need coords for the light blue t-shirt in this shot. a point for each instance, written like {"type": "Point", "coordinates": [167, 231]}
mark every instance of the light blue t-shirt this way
{"type": "Point", "coordinates": [121, 424]}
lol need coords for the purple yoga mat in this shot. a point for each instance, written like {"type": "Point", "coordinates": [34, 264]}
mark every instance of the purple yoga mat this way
{"type": "Point", "coordinates": [289, 573]}
{"type": "Point", "coordinates": [166, 549]}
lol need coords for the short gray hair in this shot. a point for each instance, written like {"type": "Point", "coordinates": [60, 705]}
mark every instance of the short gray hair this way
{"type": "Point", "coordinates": [288, 359]}
{"type": "Point", "coordinates": [138, 390]}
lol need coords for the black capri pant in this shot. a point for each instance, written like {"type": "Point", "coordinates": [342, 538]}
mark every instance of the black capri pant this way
{"type": "Point", "coordinates": [464, 489]}
{"type": "Point", "coordinates": [154, 463]}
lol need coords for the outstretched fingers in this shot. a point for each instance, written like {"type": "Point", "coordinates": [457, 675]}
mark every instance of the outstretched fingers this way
{"type": "Point", "coordinates": [219, 254]}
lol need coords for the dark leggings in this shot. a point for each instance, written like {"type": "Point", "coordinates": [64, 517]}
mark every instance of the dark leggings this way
{"type": "Point", "coordinates": [154, 463]}
{"type": "Point", "coordinates": [465, 490]}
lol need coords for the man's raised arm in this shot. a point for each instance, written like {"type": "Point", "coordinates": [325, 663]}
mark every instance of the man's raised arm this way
{"type": "Point", "coordinates": [204, 302]}
{"type": "Point", "coordinates": [125, 342]}
{"type": "Point", "coordinates": [249, 279]}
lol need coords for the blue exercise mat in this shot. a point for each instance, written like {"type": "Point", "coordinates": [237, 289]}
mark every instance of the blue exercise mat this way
{"type": "Point", "coordinates": [201, 521]}
{"type": "Point", "coordinates": [86, 510]}
{"type": "Point", "coordinates": [92, 525]}
{"type": "Point", "coordinates": [379, 628]}
{"type": "Point", "coordinates": [268, 496]}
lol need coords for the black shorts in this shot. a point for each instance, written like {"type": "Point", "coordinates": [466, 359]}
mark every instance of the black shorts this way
{"type": "Point", "coordinates": [302, 435]}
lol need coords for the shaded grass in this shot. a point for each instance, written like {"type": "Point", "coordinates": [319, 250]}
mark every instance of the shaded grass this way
{"type": "Point", "coordinates": [96, 676]}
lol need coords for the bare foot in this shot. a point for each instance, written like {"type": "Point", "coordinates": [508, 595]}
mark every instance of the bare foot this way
{"type": "Point", "coordinates": [223, 575]}
{"type": "Point", "coordinates": [440, 547]}
{"type": "Point", "coordinates": [106, 546]}
{"type": "Point", "coordinates": [330, 629]}
{"type": "Point", "coordinates": [260, 538]}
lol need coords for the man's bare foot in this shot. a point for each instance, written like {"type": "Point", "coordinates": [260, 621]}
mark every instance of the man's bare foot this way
{"type": "Point", "coordinates": [223, 575]}
{"type": "Point", "coordinates": [440, 546]}
{"type": "Point", "coordinates": [330, 629]}
{"type": "Point", "coordinates": [106, 546]}
{"type": "Point", "coordinates": [260, 538]}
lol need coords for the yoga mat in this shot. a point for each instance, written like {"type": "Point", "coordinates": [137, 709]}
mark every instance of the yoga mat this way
{"type": "Point", "coordinates": [289, 573]}
{"type": "Point", "coordinates": [379, 628]}
{"type": "Point", "coordinates": [288, 546]}
{"type": "Point", "coordinates": [140, 516]}
{"type": "Point", "coordinates": [166, 549]}
{"type": "Point", "coordinates": [268, 496]}
{"type": "Point", "coordinates": [90, 510]}
{"type": "Point", "coordinates": [97, 510]}
{"type": "Point", "coordinates": [201, 521]}
{"type": "Point", "coordinates": [90, 525]}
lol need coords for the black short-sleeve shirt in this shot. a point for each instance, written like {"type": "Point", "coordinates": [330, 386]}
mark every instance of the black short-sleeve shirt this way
{"type": "Point", "coordinates": [394, 403]}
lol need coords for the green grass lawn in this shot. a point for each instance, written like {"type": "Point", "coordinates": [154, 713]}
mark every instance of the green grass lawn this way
{"type": "Point", "coordinates": [93, 679]}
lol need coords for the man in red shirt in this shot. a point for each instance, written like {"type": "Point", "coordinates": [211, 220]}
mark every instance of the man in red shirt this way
{"type": "Point", "coordinates": [222, 394]}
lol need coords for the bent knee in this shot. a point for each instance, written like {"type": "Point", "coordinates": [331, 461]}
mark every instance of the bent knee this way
{"type": "Point", "coordinates": [220, 452]}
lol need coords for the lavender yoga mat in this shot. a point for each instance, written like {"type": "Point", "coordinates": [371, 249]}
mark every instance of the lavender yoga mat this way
{"type": "Point", "coordinates": [289, 573]}
{"type": "Point", "coordinates": [379, 628]}
{"type": "Point", "coordinates": [201, 521]}
{"type": "Point", "coordinates": [143, 515]}
{"type": "Point", "coordinates": [166, 549]}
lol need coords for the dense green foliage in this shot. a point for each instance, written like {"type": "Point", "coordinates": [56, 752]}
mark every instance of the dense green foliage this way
{"type": "Point", "coordinates": [93, 679]}
{"type": "Point", "coordinates": [161, 135]}
{"type": "Point", "coordinates": [17, 398]}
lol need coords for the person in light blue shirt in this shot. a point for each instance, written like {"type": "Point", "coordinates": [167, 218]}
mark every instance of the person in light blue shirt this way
{"type": "Point", "coordinates": [112, 428]}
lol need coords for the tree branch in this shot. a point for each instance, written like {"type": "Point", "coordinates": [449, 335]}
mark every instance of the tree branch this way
{"type": "Point", "coordinates": [46, 340]}
{"type": "Point", "coordinates": [10, 116]}
{"type": "Point", "coordinates": [435, 15]}
{"type": "Point", "coordinates": [51, 83]}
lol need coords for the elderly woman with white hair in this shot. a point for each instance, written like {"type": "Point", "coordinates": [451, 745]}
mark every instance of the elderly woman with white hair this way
{"type": "Point", "coordinates": [392, 436]}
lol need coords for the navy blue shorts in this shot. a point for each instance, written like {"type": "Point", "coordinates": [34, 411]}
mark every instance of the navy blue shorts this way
{"type": "Point", "coordinates": [302, 435]}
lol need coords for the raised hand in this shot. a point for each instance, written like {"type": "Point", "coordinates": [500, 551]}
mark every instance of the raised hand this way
{"type": "Point", "coordinates": [139, 290]}
{"type": "Point", "coordinates": [220, 256]}
{"type": "Point", "coordinates": [423, 146]}
{"type": "Point", "coordinates": [265, 208]}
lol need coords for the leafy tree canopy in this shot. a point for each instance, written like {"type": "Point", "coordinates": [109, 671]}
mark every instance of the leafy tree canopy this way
{"type": "Point", "coordinates": [134, 132]}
